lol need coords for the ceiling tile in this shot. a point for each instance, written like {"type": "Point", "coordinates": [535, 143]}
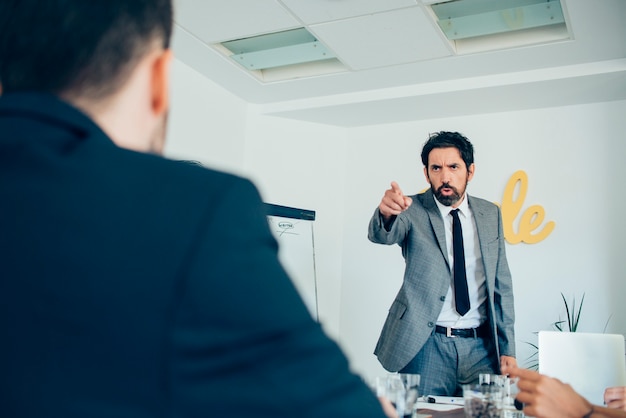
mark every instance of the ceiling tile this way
{"type": "Point", "coordinates": [215, 21]}
{"type": "Point", "coordinates": [328, 10]}
{"type": "Point", "coordinates": [597, 38]}
{"type": "Point", "coordinates": [383, 39]}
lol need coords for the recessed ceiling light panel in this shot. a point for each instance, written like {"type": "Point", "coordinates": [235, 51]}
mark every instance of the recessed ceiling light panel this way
{"type": "Point", "coordinates": [286, 51]}
{"type": "Point", "coordinates": [462, 20]}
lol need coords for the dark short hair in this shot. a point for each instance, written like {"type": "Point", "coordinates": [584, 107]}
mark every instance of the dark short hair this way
{"type": "Point", "coordinates": [82, 48]}
{"type": "Point", "coordinates": [445, 139]}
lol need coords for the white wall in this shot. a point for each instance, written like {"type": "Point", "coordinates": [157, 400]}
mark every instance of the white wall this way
{"type": "Point", "coordinates": [572, 155]}
{"type": "Point", "coordinates": [302, 165]}
{"type": "Point", "coordinates": [206, 123]}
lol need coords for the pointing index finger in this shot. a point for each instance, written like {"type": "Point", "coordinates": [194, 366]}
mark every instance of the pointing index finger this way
{"type": "Point", "coordinates": [396, 188]}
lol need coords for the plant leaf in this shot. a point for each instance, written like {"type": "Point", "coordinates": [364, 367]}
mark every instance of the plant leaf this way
{"type": "Point", "coordinates": [569, 321]}
{"type": "Point", "coordinates": [607, 323]}
{"type": "Point", "coordinates": [580, 308]}
{"type": "Point", "coordinates": [557, 325]}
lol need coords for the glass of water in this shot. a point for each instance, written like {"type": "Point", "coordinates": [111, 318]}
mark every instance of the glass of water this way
{"type": "Point", "coordinates": [483, 400]}
{"type": "Point", "coordinates": [411, 384]}
{"type": "Point", "coordinates": [509, 393]}
{"type": "Point", "coordinates": [401, 389]}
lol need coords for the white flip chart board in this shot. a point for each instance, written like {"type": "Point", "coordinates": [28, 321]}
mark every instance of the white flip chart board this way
{"type": "Point", "coordinates": [293, 229]}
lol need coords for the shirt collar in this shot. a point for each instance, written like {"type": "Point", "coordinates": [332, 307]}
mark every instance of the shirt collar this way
{"type": "Point", "coordinates": [51, 110]}
{"type": "Point", "coordinates": [445, 210]}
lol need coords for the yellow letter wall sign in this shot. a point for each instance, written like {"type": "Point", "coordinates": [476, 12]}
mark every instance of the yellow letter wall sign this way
{"type": "Point", "coordinates": [530, 220]}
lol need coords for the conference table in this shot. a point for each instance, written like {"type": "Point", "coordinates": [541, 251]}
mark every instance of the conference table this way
{"type": "Point", "coordinates": [453, 413]}
{"type": "Point", "coordinates": [440, 410]}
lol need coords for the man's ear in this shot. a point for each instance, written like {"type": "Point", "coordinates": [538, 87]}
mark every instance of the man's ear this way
{"type": "Point", "coordinates": [470, 172]}
{"type": "Point", "coordinates": [426, 174]}
{"type": "Point", "coordinates": [160, 82]}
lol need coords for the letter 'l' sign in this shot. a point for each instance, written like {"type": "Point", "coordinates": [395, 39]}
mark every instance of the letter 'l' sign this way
{"type": "Point", "coordinates": [530, 220]}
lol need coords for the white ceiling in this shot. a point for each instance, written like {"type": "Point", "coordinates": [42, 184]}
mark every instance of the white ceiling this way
{"type": "Point", "coordinates": [399, 66]}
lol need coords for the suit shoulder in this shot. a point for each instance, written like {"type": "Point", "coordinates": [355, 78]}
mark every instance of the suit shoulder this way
{"type": "Point", "coordinates": [423, 199]}
{"type": "Point", "coordinates": [478, 203]}
{"type": "Point", "coordinates": [480, 200]}
{"type": "Point", "coordinates": [193, 174]}
{"type": "Point", "coordinates": [184, 184]}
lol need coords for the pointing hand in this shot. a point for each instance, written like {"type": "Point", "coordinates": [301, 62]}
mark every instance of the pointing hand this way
{"type": "Point", "coordinates": [394, 201]}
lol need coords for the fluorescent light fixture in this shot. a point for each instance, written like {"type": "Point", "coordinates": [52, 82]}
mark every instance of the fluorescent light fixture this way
{"type": "Point", "coordinates": [463, 19]}
{"type": "Point", "coordinates": [278, 49]}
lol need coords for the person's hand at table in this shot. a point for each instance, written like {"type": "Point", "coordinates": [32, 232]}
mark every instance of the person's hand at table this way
{"type": "Point", "coordinates": [546, 397]}
{"type": "Point", "coordinates": [388, 408]}
{"type": "Point", "coordinates": [615, 397]}
{"type": "Point", "coordinates": [506, 363]}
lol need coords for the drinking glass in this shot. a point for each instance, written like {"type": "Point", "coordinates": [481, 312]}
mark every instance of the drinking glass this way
{"type": "Point", "coordinates": [490, 379]}
{"type": "Point", "coordinates": [508, 398]}
{"type": "Point", "coordinates": [483, 400]}
{"type": "Point", "coordinates": [401, 389]}
{"type": "Point", "coordinates": [411, 384]}
{"type": "Point", "coordinates": [391, 388]}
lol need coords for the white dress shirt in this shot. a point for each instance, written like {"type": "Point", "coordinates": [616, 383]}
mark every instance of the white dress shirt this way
{"type": "Point", "coordinates": [449, 317]}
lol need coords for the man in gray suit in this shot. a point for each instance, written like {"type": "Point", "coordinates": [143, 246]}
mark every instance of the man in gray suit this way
{"type": "Point", "coordinates": [426, 332]}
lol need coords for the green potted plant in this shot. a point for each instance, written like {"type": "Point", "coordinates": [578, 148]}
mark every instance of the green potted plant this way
{"type": "Point", "coordinates": [573, 319]}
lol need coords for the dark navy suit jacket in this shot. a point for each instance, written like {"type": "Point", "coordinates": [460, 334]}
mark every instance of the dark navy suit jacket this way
{"type": "Point", "coordinates": [136, 286]}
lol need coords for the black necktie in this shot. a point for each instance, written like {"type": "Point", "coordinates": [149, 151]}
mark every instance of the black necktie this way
{"type": "Point", "coordinates": [461, 295]}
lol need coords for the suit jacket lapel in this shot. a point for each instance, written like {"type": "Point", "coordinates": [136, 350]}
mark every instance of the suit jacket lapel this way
{"type": "Point", "coordinates": [483, 228]}
{"type": "Point", "coordinates": [428, 200]}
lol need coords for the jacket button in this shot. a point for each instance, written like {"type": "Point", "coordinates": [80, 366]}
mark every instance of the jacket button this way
{"type": "Point", "coordinates": [431, 324]}
{"type": "Point", "coordinates": [442, 298]}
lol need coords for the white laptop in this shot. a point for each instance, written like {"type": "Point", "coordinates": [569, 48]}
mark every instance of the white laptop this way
{"type": "Point", "coordinates": [588, 362]}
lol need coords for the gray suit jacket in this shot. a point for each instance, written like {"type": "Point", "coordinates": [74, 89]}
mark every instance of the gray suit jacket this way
{"type": "Point", "coordinates": [420, 232]}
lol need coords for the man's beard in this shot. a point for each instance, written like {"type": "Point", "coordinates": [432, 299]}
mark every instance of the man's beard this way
{"type": "Point", "coordinates": [449, 200]}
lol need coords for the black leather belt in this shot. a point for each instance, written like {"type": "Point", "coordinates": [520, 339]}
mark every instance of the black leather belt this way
{"type": "Point", "coordinates": [480, 332]}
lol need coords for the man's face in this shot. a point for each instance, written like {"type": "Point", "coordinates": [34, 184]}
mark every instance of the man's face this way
{"type": "Point", "coordinates": [448, 176]}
